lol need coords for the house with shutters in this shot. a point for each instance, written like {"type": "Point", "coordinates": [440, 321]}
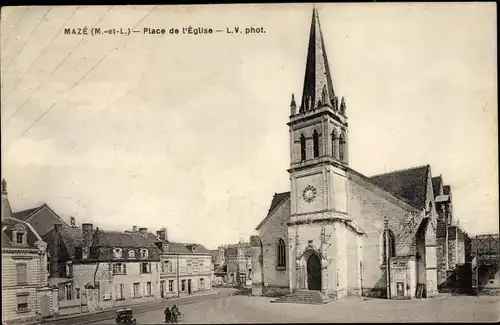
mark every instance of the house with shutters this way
{"type": "Point", "coordinates": [25, 294]}
{"type": "Point", "coordinates": [124, 266]}
{"type": "Point", "coordinates": [185, 268]}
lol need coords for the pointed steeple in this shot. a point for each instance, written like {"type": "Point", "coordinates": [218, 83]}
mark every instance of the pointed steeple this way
{"type": "Point", "coordinates": [318, 87]}
{"type": "Point", "coordinates": [293, 106]}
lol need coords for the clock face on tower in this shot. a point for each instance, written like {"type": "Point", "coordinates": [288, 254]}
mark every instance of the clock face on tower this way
{"type": "Point", "coordinates": [309, 193]}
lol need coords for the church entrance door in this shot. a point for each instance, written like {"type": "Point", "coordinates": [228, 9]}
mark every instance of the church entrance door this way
{"type": "Point", "coordinates": [313, 272]}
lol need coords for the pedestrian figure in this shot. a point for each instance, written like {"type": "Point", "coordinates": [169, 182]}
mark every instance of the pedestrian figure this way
{"type": "Point", "coordinates": [168, 315]}
{"type": "Point", "coordinates": [175, 313]}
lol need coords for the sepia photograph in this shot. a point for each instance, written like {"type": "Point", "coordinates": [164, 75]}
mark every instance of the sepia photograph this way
{"type": "Point", "coordinates": [249, 163]}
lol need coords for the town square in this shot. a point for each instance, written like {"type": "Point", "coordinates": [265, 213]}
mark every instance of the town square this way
{"type": "Point", "coordinates": [305, 163]}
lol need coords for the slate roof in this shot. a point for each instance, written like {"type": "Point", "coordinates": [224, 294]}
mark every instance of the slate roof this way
{"type": "Point", "coordinates": [183, 248]}
{"type": "Point", "coordinates": [436, 182]}
{"type": "Point", "coordinates": [410, 184]}
{"type": "Point", "coordinates": [71, 238]}
{"type": "Point", "coordinates": [122, 239]}
{"type": "Point", "coordinates": [278, 198]}
{"type": "Point", "coordinates": [24, 214]}
{"type": "Point", "coordinates": [42, 221]}
{"type": "Point", "coordinates": [8, 225]}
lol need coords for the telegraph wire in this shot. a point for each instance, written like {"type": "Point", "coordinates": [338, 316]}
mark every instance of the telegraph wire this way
{"type": "Point", "coordinates": [26, 41]}
{"type": "Point", "coordinates": [78, 82]}
{"type": "Point", "coordinates": [54, 71]}
{"type": "Point", "coordinates": [42, 53]}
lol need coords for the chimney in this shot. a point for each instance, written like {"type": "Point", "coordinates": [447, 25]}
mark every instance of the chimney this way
{"type": "Point", "coordinates": [143, 230]}
{"type": "Point", "coordinates": [134, 228]}
{"type": "Point", "coordinates": [162, 234]}
{"type": "Point", "coordinates": [95, 237]}
{"type": "Point", "coordinates": [72, 222]}
{"type": "Point", "coordinates": [54, 257]}
{"type": "Point", "coordinates": [87, 229]}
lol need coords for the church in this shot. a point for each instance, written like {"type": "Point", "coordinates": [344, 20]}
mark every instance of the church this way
{"type": "Point", "coordinates": [338, 232]}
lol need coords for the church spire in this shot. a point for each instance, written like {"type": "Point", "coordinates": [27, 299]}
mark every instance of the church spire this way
{"type": "Point", "coordinates": [318, 87]}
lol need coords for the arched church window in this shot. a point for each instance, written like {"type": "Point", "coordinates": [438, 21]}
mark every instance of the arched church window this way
{"type": "Point", "coordinates": [334, 144]}
{"type": "Point", "coordinates": [280, 254]}
{"type": "Point", "coordinates": [302, 147]}
{"type": "Point", "coordinates": [388, 245]}
{"type": "Point", "coordinates": [316, 144]}
{"type": "Point", "coordinates": [341, 148]}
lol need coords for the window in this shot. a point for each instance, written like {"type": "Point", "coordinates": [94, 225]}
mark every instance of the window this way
{"type": "Point", "coordinates": [146, 267]}
{"type": "Point", "coordinates": [119, 291]}
{"type": "Point", "coordinates": [131, 253]}
{"type": "Point", "coordinates": [341, 148]}
{"type": "Point", "coordinates": [183, 285]}
{"type": "Point", "coordinates": [281, 254]}
{"type": "Point", "coordinates": [69, 269]}
{"type": "Point", "coordinates": [166, 266]}
{"type": "Point", "coordinates": [144, 253]}
{"type": "Point", "coordinates": [137, 290]}
{"type": "Point", "coordinates": [22, 301]}
{"type": "Point", "coordinates": [22, 273]}
{"type": "Point", "coordinates": [249, 274]}
{"type": "Point", "coordinates": [117, 253]}
{"type": "Point", "coordinates": [316, 144]}
{"type": "Point", "coordinates": [334, 144]}
{"type": "Point", "coordinates": [77, 293]}
{"type": "Point", "coordinates": [69, 291]}
{"type": "Point", "coordinates": [388, 245]}
{"type": "Point", "coordinates": [119, 268]}
{"type": "Point", "coordinates": [302, 148]}
{"type": "Point", "coordinates": [20, 237]}
{"type": "Point", "coordinates": [170, 285]}
{"type": "Point", "coordinates": [148, 289]}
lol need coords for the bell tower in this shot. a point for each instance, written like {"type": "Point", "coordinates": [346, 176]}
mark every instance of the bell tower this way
{"type": "Point", "coordinates": [318, 138]}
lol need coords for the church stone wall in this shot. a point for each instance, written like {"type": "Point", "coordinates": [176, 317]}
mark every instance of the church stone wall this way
{"type": "Point", "coordinates": [442, 263]}
{"type": "Point", "coordinates": [368, 205]}
{"type": "Point", "coordinates": [275, 227]}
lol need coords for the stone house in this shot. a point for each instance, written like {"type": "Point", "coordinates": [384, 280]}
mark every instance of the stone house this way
{"type": "Point", "coordinates": [185, 268]}
{"type": "Point", "coordinates": [122, 266]}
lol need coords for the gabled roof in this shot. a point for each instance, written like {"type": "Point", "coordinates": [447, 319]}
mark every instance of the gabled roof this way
{"type": "Point", "coordinates": [436, 184]}
{"type": "Point", "coordinates": [42, 222]}
{"type": "Point", "coordinates": [411, 184]}
{"type": "Point", "coordinates": [24, 214]}
{"type": "Point", "coordinates": [277, 200]}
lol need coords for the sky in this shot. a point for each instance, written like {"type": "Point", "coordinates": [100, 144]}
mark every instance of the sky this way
{"type": "Point", "coordinates": [189, 131]}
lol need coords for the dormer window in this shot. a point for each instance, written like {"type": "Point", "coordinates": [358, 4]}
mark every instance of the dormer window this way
{"type": "Point", "coordinates": [144, 253]}
{"type": "Point", "coordinates": [117, 253]}
{"type": "Point", "coordinates": [131, 254]}
{"type": "Point", "coordinates": [19, 234]}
